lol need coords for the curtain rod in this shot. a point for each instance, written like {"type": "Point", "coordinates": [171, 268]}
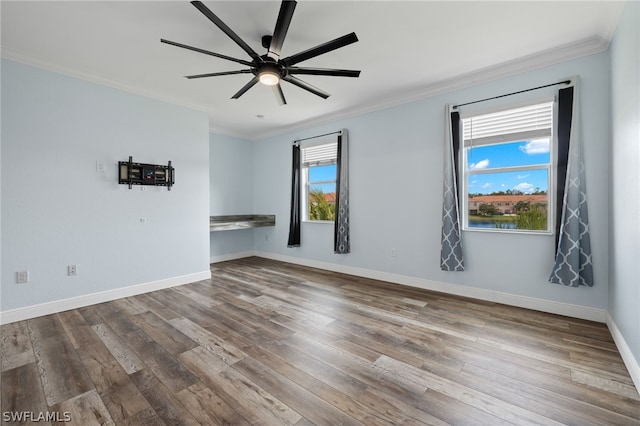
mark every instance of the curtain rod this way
{"type": "Point", "coordinates": [514, 93]}
{"type": "Point", "coordinates": [319, 136]}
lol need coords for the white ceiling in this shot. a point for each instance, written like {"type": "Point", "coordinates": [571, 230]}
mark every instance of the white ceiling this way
{"type": "Point", "coordinates": [407, 49]}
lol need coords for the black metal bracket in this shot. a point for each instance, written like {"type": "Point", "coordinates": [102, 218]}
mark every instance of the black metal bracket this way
{"type": "Point", "coordinates": [131, 173]}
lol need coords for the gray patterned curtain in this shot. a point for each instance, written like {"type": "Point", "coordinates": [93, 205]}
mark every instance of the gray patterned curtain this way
{"type": "Point", "coordinates": [451, 244]}
{"type": "Point", "coordinates": [341, 242]}
{"type": "Point", "coordinates": [573, 265]}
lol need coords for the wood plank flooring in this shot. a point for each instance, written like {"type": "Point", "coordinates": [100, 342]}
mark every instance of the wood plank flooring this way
{"type": "Point", "coordinates": [270, 343]}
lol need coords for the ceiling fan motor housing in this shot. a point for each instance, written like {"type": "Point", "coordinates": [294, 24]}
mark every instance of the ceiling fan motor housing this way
{"type": "Point", "coordinates": [270, 65]}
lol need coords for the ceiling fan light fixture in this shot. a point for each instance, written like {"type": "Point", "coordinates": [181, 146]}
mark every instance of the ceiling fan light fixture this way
{"type": "Point", "coordinates": [269, 78]}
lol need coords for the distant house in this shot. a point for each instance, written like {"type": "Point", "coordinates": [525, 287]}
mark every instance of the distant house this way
{"type": "Point", "coordinates": [505, 203]}
{"type": "Point", "coordinates": [330, 197]}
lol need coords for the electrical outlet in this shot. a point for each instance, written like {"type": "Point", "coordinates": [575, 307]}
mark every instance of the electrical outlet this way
{"type": "Point", "coordinates": [99, 166]}
{"type": "Point", "coordinates": [22, 277]}
{"type": "Point", "coordinates": [393, 252]}
{"type": "Point", "coordinates": [72, 270]}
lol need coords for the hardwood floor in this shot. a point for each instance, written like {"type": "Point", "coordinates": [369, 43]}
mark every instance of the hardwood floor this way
{"type": "Point", "coordinates": [270, 343]}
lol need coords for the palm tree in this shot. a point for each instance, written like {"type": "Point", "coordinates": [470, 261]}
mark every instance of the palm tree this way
{"type": "Point", "coordinates": [319, 207]}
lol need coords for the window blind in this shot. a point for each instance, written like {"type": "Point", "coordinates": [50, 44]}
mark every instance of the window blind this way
{"type": "Point", "coordinates": [533, 121]}
{"type": "Point", "coordinates": [320, 155]}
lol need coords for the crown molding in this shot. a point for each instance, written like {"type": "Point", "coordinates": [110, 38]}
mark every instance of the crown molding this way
{"type": "Point", "coordinates": [506, 69]}
{"type": "Point", "coordinates": [227, 132]}
{"type": "Point", "coordinates": [18, 57]}
{"type": "Point", "coordinates": [517, 66]}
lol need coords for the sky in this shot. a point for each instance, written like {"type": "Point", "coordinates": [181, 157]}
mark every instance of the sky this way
{"type": "Point", "coordinates": [520, 153]}
{"type": "Point", "coordinates": [321, 173]}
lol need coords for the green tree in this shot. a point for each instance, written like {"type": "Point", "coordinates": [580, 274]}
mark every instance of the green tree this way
{"type": "Point", "coordinates": [522, 206]}
{"type": "Point", "coordinates": [319, 207]}
{"type": "Point", "coordinates": [487, 209]}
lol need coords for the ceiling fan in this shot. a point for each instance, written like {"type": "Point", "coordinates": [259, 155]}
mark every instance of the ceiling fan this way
{"type": "Point", "coordinates": [269, 69]}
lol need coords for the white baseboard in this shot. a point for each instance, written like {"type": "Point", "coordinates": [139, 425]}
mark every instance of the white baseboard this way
{"type": "Point", "coordinates": [549, 306]}
{"type": "Point", "coordinates": [575, 311]}
{"type": "Point", "coordinates": [231, 256]}
{"type": "Point", "coordinates": [48, 308]}
{"type": "Point", "coordinates": [625, 352]}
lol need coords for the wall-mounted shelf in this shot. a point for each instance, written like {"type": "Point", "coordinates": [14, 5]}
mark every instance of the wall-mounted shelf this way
{"type": "Point", "coordinates": [240, 221]}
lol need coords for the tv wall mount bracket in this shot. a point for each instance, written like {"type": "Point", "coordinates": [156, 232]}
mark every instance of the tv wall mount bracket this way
{"type": "Point", "coordinates": [131, 173]}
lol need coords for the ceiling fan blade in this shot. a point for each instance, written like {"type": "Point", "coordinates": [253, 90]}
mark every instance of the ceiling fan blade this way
{"type": "Point", "coordinates": [215, 74]}
{"type": "Point", "coordinates": [206, 52]}
{"type": "Point", "coordinates": [277, 91]}
{"type": "Point", "coordinates": [282, 26]}
{"type": "Point", "coordinates": [246, 87]}
{"type": "Point", "coordinates": [228, 31]}
{"type": "Point", "coordinates": [306, 86]}
{"type": "Point", "coordinates": [321, 49]}
{"type": "Point", "coordinates": [324, 71]}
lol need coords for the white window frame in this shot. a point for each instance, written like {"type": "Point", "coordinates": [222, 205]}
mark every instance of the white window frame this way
{"type": "Point", "coordinates": [490, 137]}
{"type": "Point", "coordinates": [323, 159]}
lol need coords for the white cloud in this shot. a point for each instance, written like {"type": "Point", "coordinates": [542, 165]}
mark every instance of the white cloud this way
{"type": "Point", "coordinates": [486, 186]}
{"type": "Point", "coordinates": [482, 164]}
{"type": "Point", "coordinates": [523, 176]}
{"type": "Point", "coordinates": [536, 146]}
{"type": "Point", "coordinates": [524, 187]}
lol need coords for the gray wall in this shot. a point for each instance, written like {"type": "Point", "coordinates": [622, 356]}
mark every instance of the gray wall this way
{"type": "Point", "coordinates": [57, 209]}
{"type": "Point", "coordinates": [396, 162]}
{"type": "Point", "coordinates": [231, 174]}
{"type": "Point", "coordinates": [624, 275]}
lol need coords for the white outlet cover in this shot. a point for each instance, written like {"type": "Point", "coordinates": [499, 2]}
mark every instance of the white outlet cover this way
{"type": "Point", "coordinates": [22, 277]}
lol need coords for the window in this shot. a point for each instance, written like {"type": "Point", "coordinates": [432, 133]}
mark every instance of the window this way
{"type": "Point", "coordinates": [507, 173]}
{"type": "Point", "coordinates": [319, 164]}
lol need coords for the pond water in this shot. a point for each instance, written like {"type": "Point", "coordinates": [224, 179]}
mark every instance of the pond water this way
{"type": "Point", "coordinates": [492, 225]}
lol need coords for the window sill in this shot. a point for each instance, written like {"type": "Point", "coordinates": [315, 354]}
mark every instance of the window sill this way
{"type": "Point", "coordinates": [498, 231]}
